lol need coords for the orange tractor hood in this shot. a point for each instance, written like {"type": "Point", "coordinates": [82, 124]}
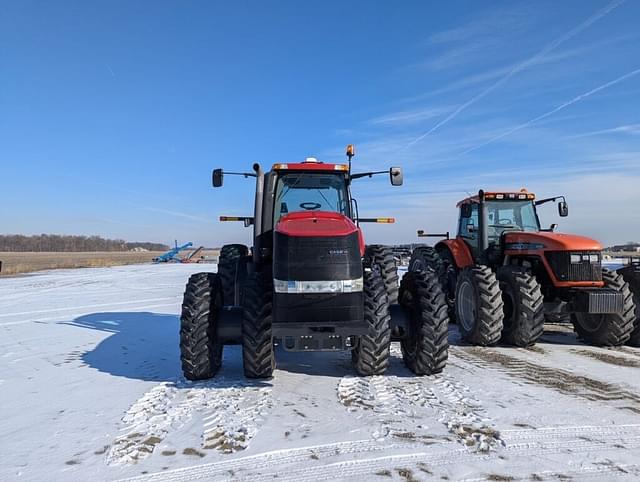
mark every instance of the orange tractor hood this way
{"type": "Point", "coordinates": [555, 241]}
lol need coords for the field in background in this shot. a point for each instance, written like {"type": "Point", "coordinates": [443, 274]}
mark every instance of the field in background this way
{"type": "Point", "coordinates": [16, 263]}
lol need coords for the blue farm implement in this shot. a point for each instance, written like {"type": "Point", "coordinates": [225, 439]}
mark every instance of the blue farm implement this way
{"type": "Point", "coordinates": [172, 254]}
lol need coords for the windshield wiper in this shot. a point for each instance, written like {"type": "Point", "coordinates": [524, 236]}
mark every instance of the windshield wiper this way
{"type": "Point", "coordinates": [283, 192]}
{"type": "Point", "coordinates": [323, 197]}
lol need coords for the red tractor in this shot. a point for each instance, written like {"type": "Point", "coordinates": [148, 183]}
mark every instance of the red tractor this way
{"type": "Point", "coordinates": [503, 275]}
{"type": "Point", "coordinates": [310, 283]}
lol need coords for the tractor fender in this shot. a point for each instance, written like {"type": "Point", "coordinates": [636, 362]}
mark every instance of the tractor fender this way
{"type": "Point", "coordinates": [459, 251]}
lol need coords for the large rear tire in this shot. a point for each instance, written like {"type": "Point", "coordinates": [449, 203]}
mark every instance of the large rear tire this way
{"type": "Point", "coordinates": [479, 306]}
{"type": "Point", "coordinates": [609, 329]}
{"type": "Point", "coordinates": [381, 257]}
{"type": "Point", "coordinates": [425, 345]}
{"type": "Point", "coordinates": [257, 340]}
{"type": "Point", "coordinates": [523, 306]}
{"type": "Point", "coordinates": [200, 349]}
{"type": "Point", "coordinates": [229, 262]}
{"type": "Point", "coordinates": [371, 353]}
{"type": "Point", "coordinates": [631, 275]}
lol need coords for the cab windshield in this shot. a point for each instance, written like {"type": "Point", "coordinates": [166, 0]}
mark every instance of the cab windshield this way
{"type": "Point", "coordinates": [510, 216]}
{"type": "Point", "coordinates": [305, 191]}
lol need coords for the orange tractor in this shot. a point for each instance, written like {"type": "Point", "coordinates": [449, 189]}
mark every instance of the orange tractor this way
{"type": "Point", "coordinates": [504, 275]}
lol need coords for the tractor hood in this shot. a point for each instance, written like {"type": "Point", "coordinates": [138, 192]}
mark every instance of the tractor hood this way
{"type": "Point", "coordinates": [319, 247]}
{"type": "Point", "coordinates": [553, 241]}
{"type": "Point", "coordinates": [315, 224]}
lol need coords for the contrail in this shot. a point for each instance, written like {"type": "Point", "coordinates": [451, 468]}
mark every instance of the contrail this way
{"type": "Point", "coordinates": [524, 65]}
{"type": "Point", "coordinates": [553, 111]}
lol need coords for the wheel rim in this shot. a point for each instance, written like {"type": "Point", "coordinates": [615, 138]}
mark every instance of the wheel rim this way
{"type": "Point", "coordinates": [467, 309]}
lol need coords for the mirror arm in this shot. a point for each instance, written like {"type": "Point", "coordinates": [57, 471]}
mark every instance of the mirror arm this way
{"type": "Point", "coordinates": [367, 174]}
{"type": "Point", "coordinates": [549, 199]}
{"type": "Point", "coordinates": [422, 234]}
{"type": "Point", "coordinates": [245, 174]}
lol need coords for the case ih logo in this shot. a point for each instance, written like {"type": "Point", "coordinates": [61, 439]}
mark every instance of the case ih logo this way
{"type": "Point", "coordinates": [336, 252]}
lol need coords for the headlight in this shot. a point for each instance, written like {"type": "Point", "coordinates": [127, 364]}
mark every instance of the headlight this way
{"type": "Point", "coordinates": [594, 258]}
{"type": "Point", "coordinates": [311, 287]}
{"type": "Point", "coordinates": [576, 258]}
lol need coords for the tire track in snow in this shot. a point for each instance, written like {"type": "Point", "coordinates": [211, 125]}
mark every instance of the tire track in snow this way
{"type": "Point", "coordinates": [232, 413]}
{"type": "Point", "coordinates": [348, 470]}
{"type": "Point", "coordinates": [233, 418]}
{"type": "Point", "coordinates": [562, 381]}
{"type": "Point", "coordinates": [450, 400]}
{"type": "Point", "coordinates": [621, 470]}
{"type": "Point", "coordinates": [277, 457]}
{"type": "Point", "coordinates": [442, 455]}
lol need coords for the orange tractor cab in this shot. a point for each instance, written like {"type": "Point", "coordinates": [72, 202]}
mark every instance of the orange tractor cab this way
{"type": "Point", "coordinates": [310, 283]}
{"type": "Point", "coordinates": [503, 275]}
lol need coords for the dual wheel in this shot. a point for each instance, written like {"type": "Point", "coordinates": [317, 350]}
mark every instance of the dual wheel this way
{"type": "Point", "coordinates": [508, 305]}
{"type": "Point", "coordinates": [205, 295]}
{"type": "Point", "coordinates": [425, 343]}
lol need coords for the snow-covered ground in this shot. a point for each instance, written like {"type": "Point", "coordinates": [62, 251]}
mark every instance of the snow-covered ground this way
{"type": "Point", "coordinates": [91, 389]}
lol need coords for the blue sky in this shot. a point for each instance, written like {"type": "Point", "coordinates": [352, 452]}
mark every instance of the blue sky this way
{"type": "Point", "coordinates": [113, 113]}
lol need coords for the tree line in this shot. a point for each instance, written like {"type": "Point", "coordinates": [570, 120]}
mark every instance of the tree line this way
{"type": "Point", "coordinates": [64, 243]}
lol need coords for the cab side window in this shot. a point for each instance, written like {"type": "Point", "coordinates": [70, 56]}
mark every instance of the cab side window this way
{"type": "Point", "coordinates": [468, 229]}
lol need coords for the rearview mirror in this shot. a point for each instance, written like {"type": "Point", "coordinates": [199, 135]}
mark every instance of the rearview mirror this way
{"type": "Point", "coordinates": [217, 177]}
{"type": "Point", "coordinates": [395, 174]}
{"type": "Point", "coordinates": [563, 209]}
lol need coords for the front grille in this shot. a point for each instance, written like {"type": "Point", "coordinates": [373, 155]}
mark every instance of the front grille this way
{"type": "Point", "coordinates": [565, 270]}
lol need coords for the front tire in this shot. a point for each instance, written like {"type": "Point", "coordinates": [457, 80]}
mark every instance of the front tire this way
{"type": "Point", "coordinates": [523, 306]}
{"type": "Point", "coordinates": [381, 257]}
{"type": "Point", "coordinates": [200, 349]}
{"type": "Point", "coordinates": [371, 353]}
{"type": "Point", "coordinates": [608, 329]}
{"type": "Point", "coordinates": [425, 346]}
{"type": "Point", "coordinates": [479, 306]}
{"type": "Point", "coordinates": [230, 270]}
{"type": "Point", "coordinates": [257, 340]}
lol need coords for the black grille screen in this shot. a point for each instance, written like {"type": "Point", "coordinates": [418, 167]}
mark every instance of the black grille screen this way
{"type": "Point", "coordinates": [565, 270]}
{"type": "Point", "coordinates": [316, 258]}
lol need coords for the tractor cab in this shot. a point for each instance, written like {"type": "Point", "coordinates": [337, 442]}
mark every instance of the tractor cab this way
{"type": "Point", "coordinates": [497, 214]}
{"type": "Point", "coordinates": [309, 189]}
